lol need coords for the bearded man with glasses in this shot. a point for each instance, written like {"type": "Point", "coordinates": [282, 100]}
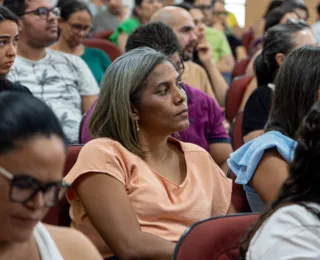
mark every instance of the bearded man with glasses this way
{"type": "Point", "coordinates": [63, 81]}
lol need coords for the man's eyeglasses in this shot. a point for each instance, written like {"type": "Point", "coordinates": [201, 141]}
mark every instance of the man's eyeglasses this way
{"type": "Point", "coordinates": [24, 188]}
{"type": "Point", "coordinates": [77, 28]}
{"type": "Point", "coordinates": [43, 12]}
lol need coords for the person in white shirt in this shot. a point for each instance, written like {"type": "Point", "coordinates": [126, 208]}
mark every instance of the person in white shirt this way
{"type": "Point", "coordinates": [290, 229]}
{"type": "Point", "coordinates": [63, 81]}
{"type": "Point", "coordinates": [316, 25]}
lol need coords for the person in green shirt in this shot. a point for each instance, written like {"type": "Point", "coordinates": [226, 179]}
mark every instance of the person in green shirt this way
{"type": "Point", "coordinates": [142, 12]}
{"type": "Point", "coordinates": [75, 23]}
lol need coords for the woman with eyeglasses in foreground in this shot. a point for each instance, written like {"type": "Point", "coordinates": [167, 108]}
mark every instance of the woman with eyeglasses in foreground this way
{"type": "Point", "coordinates": [75, 23]}
{"type": "Point", "coordinates": [290, 229]}
{"type": "Point", "coordinates": [32, 158]}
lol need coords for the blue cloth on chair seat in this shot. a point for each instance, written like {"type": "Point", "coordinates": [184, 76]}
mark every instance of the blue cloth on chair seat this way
{"type": "Point", "coordinates": [244, 161]}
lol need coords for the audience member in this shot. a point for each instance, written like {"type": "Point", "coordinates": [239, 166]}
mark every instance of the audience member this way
{"type": "Point", "coordinates": [256, 30]}
{"type": "Point", "coordinates": [279, 41]}
{"type": "Point", "coordinates": [75, 23]}
{"type": "Point", "coordinates": [96, 6]}
{"type": "Point", "coordinates": [111, 18]}
{"type": "Point", "coordinates": [219, 21]}
{"type": "Point", "coordinates": [205, 116]}
{"type": "Point", "coordinates": [62, 80]}
{"type": "Point", "coordinates": [32, 158]}
{"type": "Point", "coordinates": [133, 160]}
{"type": "Point", "coordinates": [222, 54]}
{"type": "Point", "coordinates": [262, 164]}
{"type": "Point", "coordinates": [204, 48]}
{"type": "Point", "coordinates": [290, 229]}
{"type": "Point", "coordinates": [279, 15]}
{"type": "Point", "coordinates": [316, 26]}
{"type": "Point", "coordinates": [181, 22]}
{"type": "Point", "coordinates": [142, 13]}
{"type": "Point", "coordinates": [9, 35]}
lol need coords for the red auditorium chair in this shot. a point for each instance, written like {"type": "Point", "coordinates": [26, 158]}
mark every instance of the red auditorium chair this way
{"type": "Point", "coordinates": [235, 94]}
{"type": "Point", "coordinates": [238, 197]}
{"type": "Point", "coordinates": [59, 214]}
{"type": "Point", "coordinates": [241, 67]}
{"type": "Point", "coordinates": [247, 39]}
{"type": "Point", "coordinates": [236, 131]}
{"type": "Point", "coordinates": [216, 238]}
{"type": "Point", "coordinates": [104, 35]}
{"type": "Point", "coordinates": [108, 47]}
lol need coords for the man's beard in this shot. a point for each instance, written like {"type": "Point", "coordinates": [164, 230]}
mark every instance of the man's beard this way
{"type": "Point", "coordinates": [187, 55]}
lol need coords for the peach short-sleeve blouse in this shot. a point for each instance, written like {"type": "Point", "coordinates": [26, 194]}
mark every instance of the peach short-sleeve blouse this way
{"type": "Point", "coordinates": [162, 208]}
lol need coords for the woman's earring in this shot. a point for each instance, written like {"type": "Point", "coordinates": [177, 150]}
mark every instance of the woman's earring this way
{"type": "Point", "coordinates": [137, 125]}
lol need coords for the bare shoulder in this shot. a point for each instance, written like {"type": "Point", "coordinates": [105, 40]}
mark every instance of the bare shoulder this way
{"type": "Point", "coordinates": [72, 244]}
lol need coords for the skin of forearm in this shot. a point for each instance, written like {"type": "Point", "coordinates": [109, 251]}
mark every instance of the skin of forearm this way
{"type": "Point", "coordinates": [219, 84]}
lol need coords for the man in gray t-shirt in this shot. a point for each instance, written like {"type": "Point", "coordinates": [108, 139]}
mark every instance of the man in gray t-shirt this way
{"type": "Point", "coordinates": [111, 18]}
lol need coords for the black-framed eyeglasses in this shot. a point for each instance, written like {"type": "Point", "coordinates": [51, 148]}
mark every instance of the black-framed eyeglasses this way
{"type": "Point", "coordinates": [24, 188]}
{"type": "Point", "coordinates": [77, 28]}
{"type": "Point", "coordinates": [43, 12]}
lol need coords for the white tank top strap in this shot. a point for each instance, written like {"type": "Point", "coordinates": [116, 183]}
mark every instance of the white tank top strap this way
{"type": "Point", "coordinates": [47, 247]}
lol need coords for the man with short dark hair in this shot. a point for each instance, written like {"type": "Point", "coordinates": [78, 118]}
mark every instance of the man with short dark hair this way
{"type": "Point", "coordinates": [63, 81]}
{"type": "Point", "coordinates": [316, 26]}
{"type": "Point", "coordinates": [206, 117]}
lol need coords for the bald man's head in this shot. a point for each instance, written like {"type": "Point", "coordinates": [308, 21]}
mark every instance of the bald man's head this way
{"type": "Point", "coordinates": [169, 15]}
{"type": "Point", "coordinates": [182, 24]}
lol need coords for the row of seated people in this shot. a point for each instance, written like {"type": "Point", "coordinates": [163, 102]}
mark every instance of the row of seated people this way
{"type": "Point", "coordinates": [90, 168]}
{"type": "Point", "coordinates": [141, 170]}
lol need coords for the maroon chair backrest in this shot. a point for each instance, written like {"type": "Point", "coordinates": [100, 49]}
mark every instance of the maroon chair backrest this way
{"type": "Point", "coordinates": [238, 197]}
{"type": "Point", "coordinates": [241, 67]}
{"type": "Point", "coordinates": [216, 238]}
{"type": "Point", "coordinates": [235, 94]}
{"type": "Point", "coordinates": [59, 214]}
{"type": "Point", "coordinates": [236, 131]}
{"type": "Point", "coordinates": [108, 47]}
{"type": "Point", "coordinates": [247, 39]}
{"type": "Point", "coordinates": [102, 35]}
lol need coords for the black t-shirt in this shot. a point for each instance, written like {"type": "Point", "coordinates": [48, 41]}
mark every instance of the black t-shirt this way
{"type": "Point", "coordinates": [256, 111]}
{"type": "Point", "coordinates": [234, 43]}
{"type": "Point", "coordinates": [7, 85]}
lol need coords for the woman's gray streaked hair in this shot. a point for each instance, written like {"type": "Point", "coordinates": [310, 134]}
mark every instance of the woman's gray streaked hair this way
{"type": "Point", "coordinates": [121, 87]}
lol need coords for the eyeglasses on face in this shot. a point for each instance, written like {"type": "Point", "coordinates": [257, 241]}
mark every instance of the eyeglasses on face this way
{"type": "Point", "coordinates": [43, 12]}
{"type": "Point", "coordinates": [24, 188]}
{"type": "Point", "coordinates": [77, 28]}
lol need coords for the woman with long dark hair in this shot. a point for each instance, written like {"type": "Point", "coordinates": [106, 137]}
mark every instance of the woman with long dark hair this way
{"type": "Point", "coordinates": [290, 229]}
{"type": "Point", "coordinates": [262, 164]}
{"type": "Point", "coordinates": [279, 41]}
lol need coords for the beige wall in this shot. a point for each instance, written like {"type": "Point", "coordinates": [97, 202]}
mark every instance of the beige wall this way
{"type": "Point", "coordinates": [256, 8]}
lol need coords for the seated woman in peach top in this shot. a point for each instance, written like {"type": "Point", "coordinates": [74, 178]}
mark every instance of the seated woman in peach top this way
{"type": "Point", "coordinates": [138, 189]}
